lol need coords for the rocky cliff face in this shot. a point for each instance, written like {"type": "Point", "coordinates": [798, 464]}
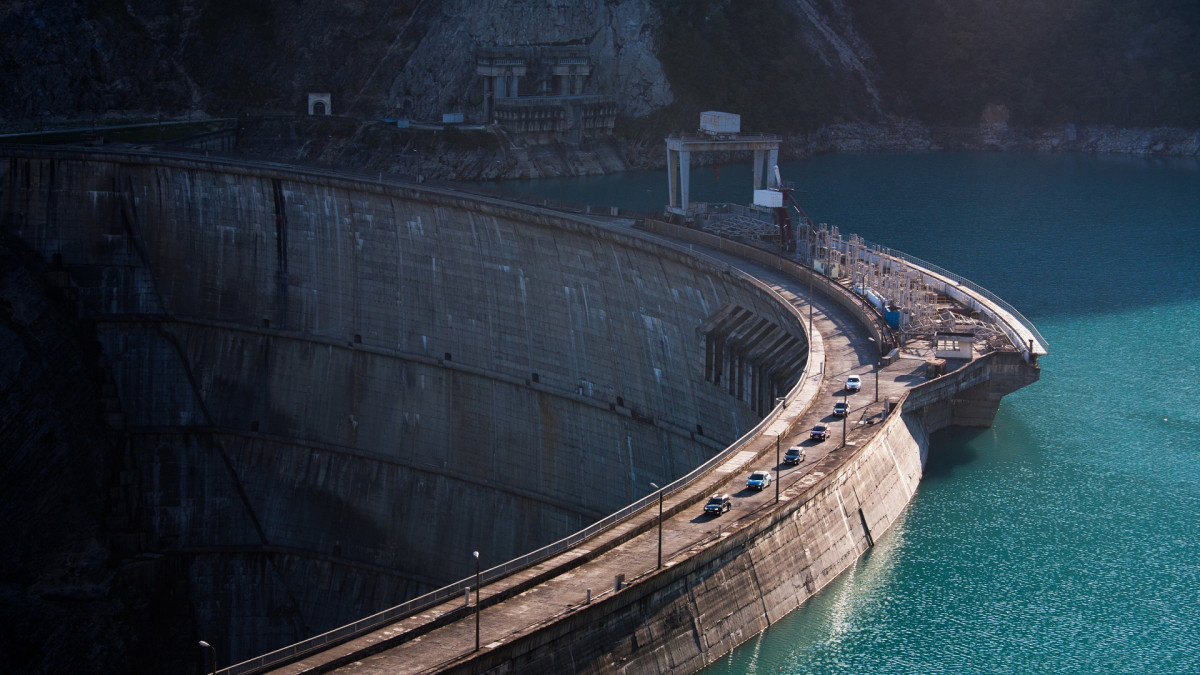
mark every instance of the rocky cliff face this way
{"type": "Point", "coordinates": [72, 597]}
{"type": "Point", "coordinates": [440, 74]}
{"type": "Point", "coordinates": [71, 59]}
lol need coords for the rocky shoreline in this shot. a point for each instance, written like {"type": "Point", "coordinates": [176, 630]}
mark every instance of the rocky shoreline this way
{"type": "Point", "coordinates": [513, 160]}
{"type": "Point", "coordinates": [489, 154]}
{"type": "Point", "coordinates": [908, 136]}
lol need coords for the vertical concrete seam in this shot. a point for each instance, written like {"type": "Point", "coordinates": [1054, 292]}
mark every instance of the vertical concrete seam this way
{"type": "Point", "coordinates": [281, 252]}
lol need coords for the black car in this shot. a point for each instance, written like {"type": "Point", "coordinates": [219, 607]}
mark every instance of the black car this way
{"type": "Point", "coordinates": [819, 432]}
{"type": "Point", "coordinates": [718, 504]}
{"type": "Point", "coordinates": [794, 455]}
{"type": "Point", "coordinates": [840, 408]}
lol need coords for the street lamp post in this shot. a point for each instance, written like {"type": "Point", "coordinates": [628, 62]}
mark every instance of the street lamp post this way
{"type": "Point", "coordinates": [812, 271]}
{"type": "Point", "coordinates": [477, 598]}
{"type": "Point", "coordinates": [660, 496]}
{"type": "Point", "coordinates": [205, 645]}
{"type": "Point", "coordinates": [845, 412]}
{"type": "Point", "coordinates": [776, 469]}
{"type": "Point", "coordinates": [877, 358]}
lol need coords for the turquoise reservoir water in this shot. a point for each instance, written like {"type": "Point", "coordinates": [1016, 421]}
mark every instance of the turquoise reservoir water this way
{"type": "Point", "coordinates": [1066, 538]}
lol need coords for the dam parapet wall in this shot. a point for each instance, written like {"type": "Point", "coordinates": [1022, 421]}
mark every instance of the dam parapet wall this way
{"type": "Point", "coordinates": [683, 617]}
{"type": "Point", "coordinates": [310, 368]}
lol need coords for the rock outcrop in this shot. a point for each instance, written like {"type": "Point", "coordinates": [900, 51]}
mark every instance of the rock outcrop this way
{"type": "Point", "coordinates": [440, 74]}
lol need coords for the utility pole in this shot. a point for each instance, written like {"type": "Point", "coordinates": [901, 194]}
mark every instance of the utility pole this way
{"type": "Point", "coordinates": [478, 596]}
{"type": "Point", "coordinates": [660, 496]}
{"type": "Point", "coordinates": [777, 469]}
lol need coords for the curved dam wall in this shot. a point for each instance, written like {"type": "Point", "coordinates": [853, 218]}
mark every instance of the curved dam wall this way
{"type": "Point", "coordinates": [685, 616]}
{"type": "Point", "coordinates": [331, 391]}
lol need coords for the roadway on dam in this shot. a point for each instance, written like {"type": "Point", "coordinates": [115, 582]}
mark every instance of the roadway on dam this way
{"type": "Point", "coordinates": [842, 348]}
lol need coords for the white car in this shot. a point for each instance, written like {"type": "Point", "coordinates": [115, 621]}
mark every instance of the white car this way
{"type": "Point", "coordinates": [853, 383]}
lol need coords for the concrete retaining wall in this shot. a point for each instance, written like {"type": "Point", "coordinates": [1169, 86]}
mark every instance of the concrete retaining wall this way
{"type": "Point", "coordinates": [375, 379]}
{"type": "Point", "coordinates": [683, 617]}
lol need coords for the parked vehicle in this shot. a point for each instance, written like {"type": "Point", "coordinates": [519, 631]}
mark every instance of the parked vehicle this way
{"type": "Point", "coordinates": [759, 480]}
{"type": "Point", "coordinates": [819, 432]}
{"type": "Point", "coordinates": [718, 504]}
{"type": "Point", "coordinates": [794, 455]}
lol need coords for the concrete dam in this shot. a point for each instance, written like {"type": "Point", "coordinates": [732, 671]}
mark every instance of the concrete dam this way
{"type": "Point", "coordinates": [320, 394]}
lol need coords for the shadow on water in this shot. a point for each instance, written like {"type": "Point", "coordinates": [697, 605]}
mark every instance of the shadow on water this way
{"type": "Point", "coordinates": [950, 449]}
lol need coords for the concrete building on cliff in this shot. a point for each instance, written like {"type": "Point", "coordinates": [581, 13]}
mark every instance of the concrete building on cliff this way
{"type": "Point", "coordinates": [542, 93]}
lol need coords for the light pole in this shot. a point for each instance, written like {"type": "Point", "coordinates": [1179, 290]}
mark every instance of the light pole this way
{"type": "Point", "coordinates": [477, 598]}
{"type": "Point", "coordinates": [845, 412]}
{"type": "Point", "coordinates": [776, 469]}
{"type": "Point", "coordinates": [812, 271]}
{"type": "Point", "coordinates": [876, 345]}
{"type": "Point", "coordinates": [205, 645]}
{"type": "Point", "coordinates": [655, 486]}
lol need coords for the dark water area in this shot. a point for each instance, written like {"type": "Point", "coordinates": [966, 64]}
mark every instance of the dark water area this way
{"type": "Point", "coordinates": [1066, 537]}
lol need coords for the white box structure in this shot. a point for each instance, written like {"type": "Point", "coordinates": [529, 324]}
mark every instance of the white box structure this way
{"type": "Point", "coordinates": [769, 198]}
{"type": "Point", "coordinates": [714, 122]}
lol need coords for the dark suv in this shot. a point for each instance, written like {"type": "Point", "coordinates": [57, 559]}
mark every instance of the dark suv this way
{"type": "Point", "coordinates": [718, 504]}
{"type": "Point", "coordinates": [794, 455]}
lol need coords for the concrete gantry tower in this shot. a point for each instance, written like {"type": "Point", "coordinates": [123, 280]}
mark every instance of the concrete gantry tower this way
{"type": "Point", "coordinates": [501, 70]}
{"type": "Point", "coordinates": [719, 132]}
{"type": "Point", "coordinates": [540, 93]}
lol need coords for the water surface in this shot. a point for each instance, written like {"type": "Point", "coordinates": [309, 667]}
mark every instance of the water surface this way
{"type": "Point", "coordinates": [1065, 538]}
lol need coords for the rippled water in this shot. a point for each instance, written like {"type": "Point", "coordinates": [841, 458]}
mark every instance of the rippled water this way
{"type": "Point", "coordinates": [1065, 538]}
